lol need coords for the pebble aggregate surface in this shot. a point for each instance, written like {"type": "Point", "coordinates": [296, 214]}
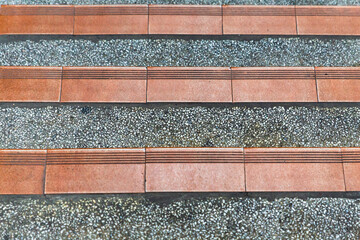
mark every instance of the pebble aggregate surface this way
{"type": "Point", "coordinates": [115, 126]}
{"type": "Point", "coordinates": [112, 217]}
{"type": "Point", "coordinates": [177, 51]}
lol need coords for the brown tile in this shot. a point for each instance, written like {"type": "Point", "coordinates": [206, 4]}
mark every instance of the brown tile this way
{"type": "Point", "coordinates": [275, 20]}
{"type": "Point", "coordinates": [351, 158]}
{"type": "Point", "coordinates": [194, 170]}
{"type": "Point", "coordinates": [293, 170]}
{"type": "Point", "coordinates": [30, 84]}
{"type": "Point", "coordinates": [189, 84]}
{"type": "Point", "coordinates": [35, 19]}
{"type": "Point", "coordinates": [338, 84]}
{"type": "Point", "coordinates": [328, 20]}
{"type": "Point", "coordinates": [114, 19]}
{"type": "Point", "coordinates": [22, 171]}
{"type": "Point", "coordinates": [185, 19]}
{"type": "Point", "coordinates": [95, 171]}
{"type": "Point", "coordinates": [104, 84]}
{"type": "Point", "coordinates": [274, 84]}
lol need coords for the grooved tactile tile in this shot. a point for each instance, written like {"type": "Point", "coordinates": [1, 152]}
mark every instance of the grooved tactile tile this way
{"type": "Point", "coordinates": [30, 84]}
{"type": "Point", "coordinates": [194, 170]}
{"type": "Point", "coordinates": [114, 19]}
{"type": "Point", "coordinates": [263, 20]}
{"type": "Point", "coordinates": [100, 84]}
{"type": "Point", "coordinates": [185, 19]}
{"type": "Point", "coordinates": [35, 19]}
{"type": "Point", "coordinates": [273, 84]}
{"type": "Point", "coordinates": [95, 171]}
{"type": "Point", "coordinates": [189, 84]}
{"type": "Point", "coordinates": [351, 159]}
{"type": "Point", "coordinates": [338, 84]}
{"type": "Point", "coordinates": [293, 170]}
{"type": "Point", "coordinates": [328, 20]}
{"type": "Point", "coordinates": [22, 171]}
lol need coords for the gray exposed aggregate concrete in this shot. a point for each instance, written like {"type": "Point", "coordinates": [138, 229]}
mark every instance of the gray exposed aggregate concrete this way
{"type": "Point", "coordinates": [115, 217]}
{"type": "Point", "coordinates": [99, 126]}
{"type": "Point", "coordinates": [178, 51]}
{"type": "Point", "coordinates": [210, 2]}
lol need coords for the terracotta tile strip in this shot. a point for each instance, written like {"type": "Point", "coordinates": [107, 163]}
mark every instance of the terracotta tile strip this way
{"type": "Point", "coordinates": [338, 84]}
{"type": "Point", "coordinates": [114, 19]}
{"type": "Point", "coordinates": [328, 20]}
{"type": "Point", "coordinates": [22, 171]}
{"type": "Point", "coordinates": [179, 170]}
{"type": "Point", "coordinates": [30, 84]}
{"type": "Point", "coordinates": [95, 171]}
{"type": "Point", "coordinates": [185, 19]}
{"type": "Point", "coordinates": [104, 84]}
{"type": "Point", "coordinates": [263, 20]}
{"type": "Point", "coordinates": [28, 19]}
{"type": "Point", "coordinates": [180, 84]}
{"type": "Point", "coordinates": [180, 19]}
{"type": "Point", "coordinates": [294, 170]}
{"type": "Point", "coordinates": [189, 84]}
{"type": "Point", "coordinates": [274, 84]}
{"type": "Point", "coordinates": [351, 159]}
{"type": "Point", "coordinates": [194, 170]}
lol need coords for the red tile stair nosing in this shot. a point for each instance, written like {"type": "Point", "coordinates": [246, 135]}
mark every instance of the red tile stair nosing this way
{"type": "Point", "coordinates": [22, 171]}
{"type": "Point", "coordinates": [259, 20]}
{"type": "Point", "coordinates": [294, 170]}
{"type": "Point", "coordinates": [189, 84]}
{"type": "Point", "coordinates": [111, 19]}
{"type": "Point", "coordinates": [95, 171]}
{"type": "Point", "coordinates": [351, 159]}
{"type": "Point", "coordinates": [104, 84]}
{"type": "Point", "coordinates": [180, 19]}
{"type": "Point", "coordinates": [81, 171]}
{"type": "Point", "coordinates": [338, 84]}
{"type": "Point", "coordinates": [194, 170]}
{"type": "Point", "coordinates": [34, 19]}
{"type": "Point", "coordinates": [30, 84]}
{"type": "Point", "coordinates": [273, 84]}
{"type": "Point", "coordinates": [185, 19]}
{"type": "Point", "coordinates": [328, 20]}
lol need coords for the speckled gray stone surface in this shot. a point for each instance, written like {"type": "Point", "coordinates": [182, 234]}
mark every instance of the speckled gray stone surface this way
{"type": "Point", "coordinates": [212, 2]}
{"type": "Point", "coordinates": [209, 218]}
{"type": "Point", "coordinates": [66, 126]}
{"type": "Point", "coordinates": [178, 51]}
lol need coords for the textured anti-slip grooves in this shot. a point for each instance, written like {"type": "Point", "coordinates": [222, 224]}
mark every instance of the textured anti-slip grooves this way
{"type": "Point", "coordinates": [193, 74]}
{"type": "Point", "coordinates": [185, 10]}
{"type": "Point", "coordinates": [275, 74]}
{"type": "Point", "coordinates": [258, 11]}
{"type": "Point", "coordinates": [21, 157]}
{"type": "Point", "coordinates": [180, 20]}
{"type": "Point", "coordinates": [111, 10]}
{"type": "Point", "coordinates": [30, 73]}
{"type": "Point", "coordinates": [179, 170]}
{"type": "Point", "coordinates": [103, 73]}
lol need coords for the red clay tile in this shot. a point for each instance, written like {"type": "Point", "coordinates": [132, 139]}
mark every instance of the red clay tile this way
{"type": "Point", "coordinates": [194, 170]}
{"type": "Point", "coordinates": [104, 84]}
{"type": "Point", "coordinates": [264, 20]}
{"type": "Point", "coordinates": [114, 19]}
{"type": "Point", "coordinates": [35, 19]}
{"type": "Point", "coordinates": [30, 84]}
{"type": "Point", "coordinates": [328, 20]}
{"type": "Point", "coordinates": [95, 171]}
{"type": "Point", "coordinates": [274, 84]}
{"type": "Point", "coordinates": [338, 84]}
{"type": "Point", "coordinates": [293, 170]}
{"type": "Point", "coordinates": [189, 84]}
{"type": "Point", "coordinates": [22, 171]}
{"type": "Point", "coordinates": [185, 19]}
{"type": "Point", "coordinates": [351, 158]}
